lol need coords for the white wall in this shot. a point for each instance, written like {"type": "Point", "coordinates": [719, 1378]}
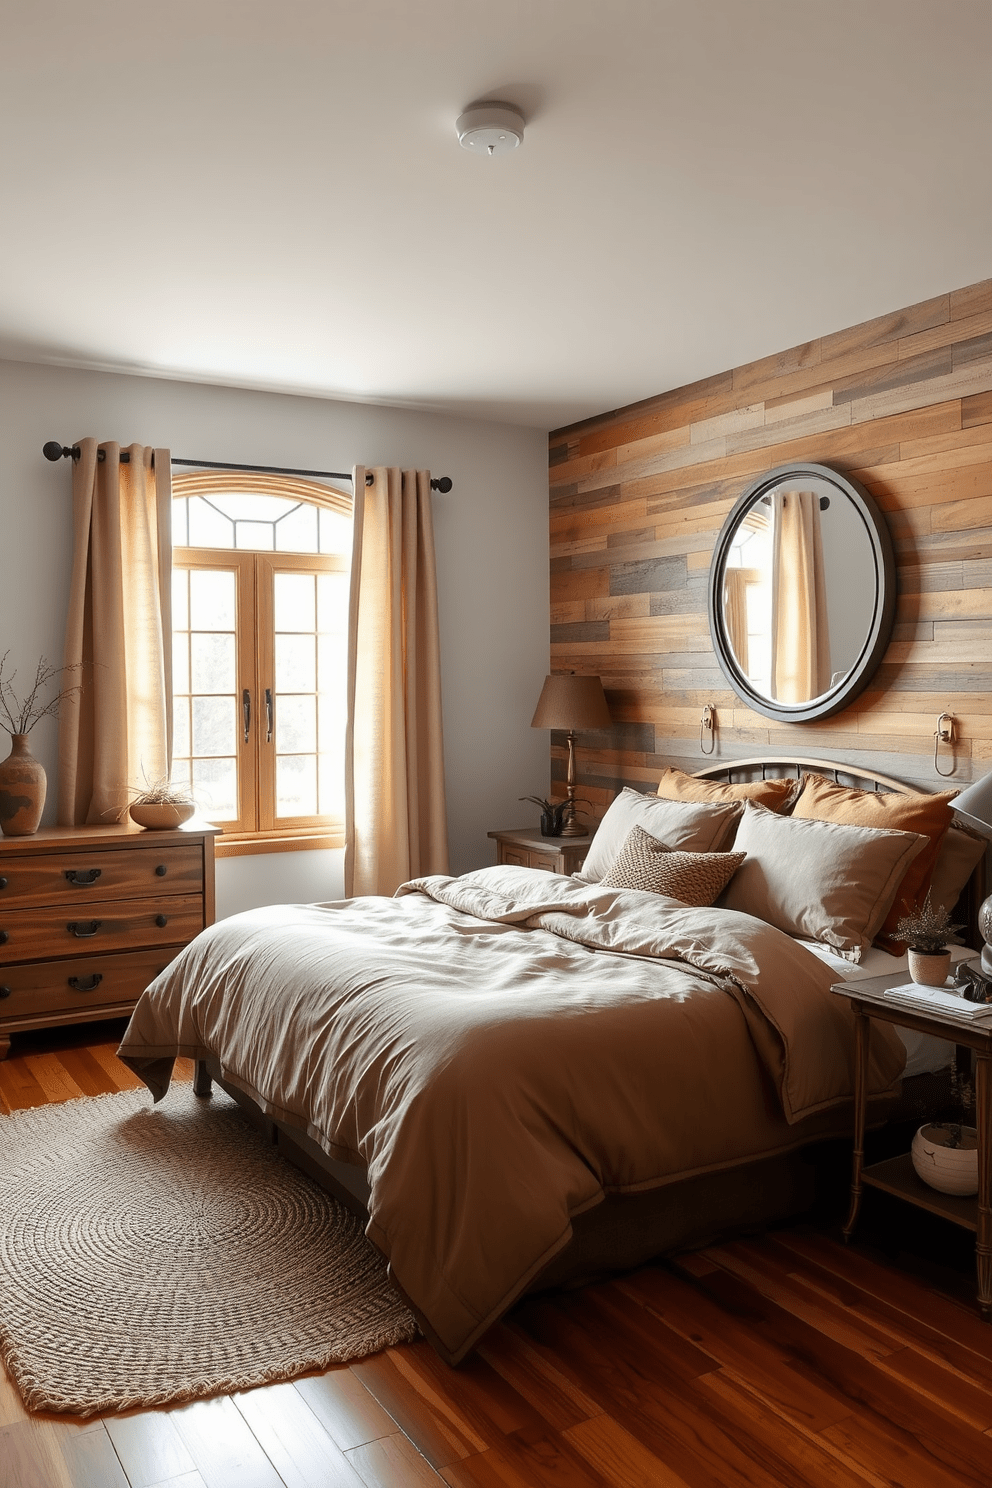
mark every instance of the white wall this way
{"type": "Point", "coordinates": [492, 550]}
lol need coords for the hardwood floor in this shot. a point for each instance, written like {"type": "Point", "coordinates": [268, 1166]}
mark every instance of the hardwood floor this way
{"type": "Point", "coordinates": [782, 1360]}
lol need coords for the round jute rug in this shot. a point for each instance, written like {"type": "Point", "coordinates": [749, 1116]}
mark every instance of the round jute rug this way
{"type": "Point", "coordinates": [159, 1254]}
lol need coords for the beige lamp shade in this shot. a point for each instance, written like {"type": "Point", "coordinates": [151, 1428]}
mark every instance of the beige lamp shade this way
{"type": "Point", "coordinates": [569, 702]}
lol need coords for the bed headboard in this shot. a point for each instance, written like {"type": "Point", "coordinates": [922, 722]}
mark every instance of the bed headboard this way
{"type": "Point", "coordinates": [762, 767]}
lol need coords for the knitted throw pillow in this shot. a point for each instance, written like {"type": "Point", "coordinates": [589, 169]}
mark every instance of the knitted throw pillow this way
{"type": "Point", "coordinates": [697, 879]}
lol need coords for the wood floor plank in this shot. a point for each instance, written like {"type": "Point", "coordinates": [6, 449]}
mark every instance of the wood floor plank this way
{"type": "Point", "coordinates": [91, 1460]}
{"type": "Point", "coordinates": [53, 1077]}
{"type": "Point", "coordinates": [149, 1446]}
{"type": "Point", "coordinates": [535, 1377]}
{"type": "Point", "coordinates": [18, 1086]}
{"type": "Point", "coordinates": [433, 1425]}
{"type": "Point", "coordinates": [393, 1462]}
{"type": "Point", "coordinates": [31, 1457]}
{"type": "Point", "coordinates": [348, 1413]}
{"type": "Point", "coordinates": [293, 1439]}
{"type": "Point", "coordinates": [735, 1344]}
{"type": "Point", "coordinates": [527, 1459]}
{"type": "Point", "coordinates": [188, 1480]}
{"type": "Point", "coordinates": [121, 1077]}
{"type": "Point", "coordinates": [490, 1406]}
{"type": "Point", "coordinates": [11, 1405]}
{"type": "Point", "coordinates": [86, 1073]}
{"type": "Point", "coordinates": [897, 1461]}
{"type": "Point", "coordinates": [620, 1458]}
{"type": "Point", "coordinates": [225, 1450]}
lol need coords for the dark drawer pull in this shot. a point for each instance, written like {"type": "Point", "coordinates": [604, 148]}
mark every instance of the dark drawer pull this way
{"type": "Point", "coordinates": [3, 883]}
{"type": "Point", "coordinates": [161, 870]}
{"type": "Point", "coordinates": [161, 921]}
{"type": "Point", "coordinates": [86, 984]}
{"type": "Point", "coordinates": [4, 992]}
{"type": "Point", "coordinates": [82, 929]}
{"type": "Point", "coordinates": [4, 937]}
{"type": "Point", "coordinates": [81, 877]}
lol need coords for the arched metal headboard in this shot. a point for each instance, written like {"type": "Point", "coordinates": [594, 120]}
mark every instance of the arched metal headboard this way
{"type": "Point", "coordinates": [767, 767]}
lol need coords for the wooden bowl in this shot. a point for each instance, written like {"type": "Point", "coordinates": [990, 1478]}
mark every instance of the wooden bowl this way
{"type": "Point", "coordinates": [160, 816]}
{"type": "Point", "coordinates": [952, 1170]}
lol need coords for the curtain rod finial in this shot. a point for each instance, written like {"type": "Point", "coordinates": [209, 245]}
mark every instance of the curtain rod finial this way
{"type": "Point", "coordinates": [55, 451]}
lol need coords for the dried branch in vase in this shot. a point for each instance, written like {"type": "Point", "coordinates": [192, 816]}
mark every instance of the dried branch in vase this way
{"type": "Point", "coordinates": [18, 715]}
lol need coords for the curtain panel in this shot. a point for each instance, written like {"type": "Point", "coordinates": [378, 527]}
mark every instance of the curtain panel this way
{"type": "Point", "coordinates": [118, 732]}
{"type": "Point", "coordinates": [800, 636]}
{"type": "Point", "coordinates": [396, 824]}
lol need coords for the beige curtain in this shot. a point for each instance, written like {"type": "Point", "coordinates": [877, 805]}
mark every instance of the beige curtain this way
{"type": "Point", "coordinates": [118, 732]}
{"type": "Point", "coordinates": [735, 582]}
{"type": "Point", "coordinates": [800, 640]}
{"type": "Point", "coordinates": [394, 760]}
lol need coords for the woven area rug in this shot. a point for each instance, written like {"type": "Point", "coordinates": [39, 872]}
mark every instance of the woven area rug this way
{"type": "Point", "coordinates": [159, 1254]}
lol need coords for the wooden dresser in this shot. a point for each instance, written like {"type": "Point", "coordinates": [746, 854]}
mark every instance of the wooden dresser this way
{"type": "Point", "coordinates": [90, 915]}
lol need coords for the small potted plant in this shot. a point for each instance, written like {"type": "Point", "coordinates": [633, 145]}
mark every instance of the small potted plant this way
{"type": "Point", "coordinates": [554, 814]}
{"type": "Point", "coordinates": [927, 932]}
{"type": "Point", "coordinates": [161, 806]}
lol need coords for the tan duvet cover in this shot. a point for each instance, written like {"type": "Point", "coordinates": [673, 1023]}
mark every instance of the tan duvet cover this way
{"type": "Point", "coordinates": [501, 1050]}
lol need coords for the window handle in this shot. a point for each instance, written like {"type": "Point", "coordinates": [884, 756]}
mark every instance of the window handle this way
{"type": "Point", "coordinates": [268, 715]}
{"type": "Point", "coordinates": [246, 711]}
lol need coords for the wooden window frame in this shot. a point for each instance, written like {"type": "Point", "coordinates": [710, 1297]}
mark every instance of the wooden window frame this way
{"type": "Point", "coordinates": [257, 829]}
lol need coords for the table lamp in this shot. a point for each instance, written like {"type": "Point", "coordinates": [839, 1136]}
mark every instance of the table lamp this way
{"type": "Point", "coordinates": [569, 702]}
{"type": "Point", "coordinates": [975, 805]}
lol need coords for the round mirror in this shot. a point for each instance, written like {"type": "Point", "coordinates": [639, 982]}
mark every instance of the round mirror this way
{"type": "Point", "coordinates": [802, 592]}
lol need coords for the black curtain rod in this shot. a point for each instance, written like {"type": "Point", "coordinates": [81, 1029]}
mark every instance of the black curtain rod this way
{"type": "Point", "coordinates": [55, 451]}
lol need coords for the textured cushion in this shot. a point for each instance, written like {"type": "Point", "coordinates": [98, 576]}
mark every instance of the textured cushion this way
{"type": "Point", "coordinates": [693, 826]}
{"type": "Point", "coordinates": [777, 795]}
{"type": "Point", "coordinates": [695, 878]}
{"type": "Point", "coordinates": [822, 800]}
{"type": "Point", "coordinates": [818, 879]}
{"type": "Point", "coordinates": [960, 854]}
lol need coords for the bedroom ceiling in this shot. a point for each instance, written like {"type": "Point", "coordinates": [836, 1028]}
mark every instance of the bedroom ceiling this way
{"type": "Point", "coordinates": [273, 196]}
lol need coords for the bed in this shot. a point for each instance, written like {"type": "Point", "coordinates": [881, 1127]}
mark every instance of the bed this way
{"type": "Point", "coordinates": [522, 1080]}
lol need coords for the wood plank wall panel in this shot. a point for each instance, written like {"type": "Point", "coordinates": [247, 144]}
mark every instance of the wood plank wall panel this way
{"type": "Point", "coordinates": [637, 498]}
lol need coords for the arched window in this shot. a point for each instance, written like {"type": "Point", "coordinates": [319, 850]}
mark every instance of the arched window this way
{"type": "Point", "coordinates": [260, 624]}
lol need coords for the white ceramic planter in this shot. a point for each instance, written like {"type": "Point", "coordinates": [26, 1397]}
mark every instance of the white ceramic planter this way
{"type": "Point", "coordinates": [952, 1170]}
{"type": "Point", "coordinates": [929, 970]}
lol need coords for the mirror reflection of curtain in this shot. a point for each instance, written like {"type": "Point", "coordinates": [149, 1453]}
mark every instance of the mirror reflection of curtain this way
{"type": "Point", "coordinates": [800, 640]}
{"type": "Point", "coordinates": [735, 613]}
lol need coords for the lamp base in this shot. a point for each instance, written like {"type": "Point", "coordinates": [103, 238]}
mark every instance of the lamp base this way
{"type": "Point", "coordinates": [573, 828]}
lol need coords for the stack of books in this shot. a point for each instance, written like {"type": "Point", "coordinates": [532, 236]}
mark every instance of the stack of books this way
{"type": "Point", "coordinates": [935, 999]}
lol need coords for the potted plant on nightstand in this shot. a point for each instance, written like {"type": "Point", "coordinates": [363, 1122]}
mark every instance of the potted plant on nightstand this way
{"type": "Point", "coordinates": [554, 814]}
{"type": "Point", "coordinates": [927, 932]}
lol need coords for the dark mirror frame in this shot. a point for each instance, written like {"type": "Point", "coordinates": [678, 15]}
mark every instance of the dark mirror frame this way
{"type": "Point", "coordinates": [883, 614]}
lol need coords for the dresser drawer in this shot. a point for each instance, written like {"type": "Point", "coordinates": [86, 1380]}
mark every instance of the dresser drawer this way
{"type": "Point", "coordinates": [75, 877]}
{"type": "Point", "coordinates": [79, 982]}
{"type": "Point", "coordinates": [98, 925]}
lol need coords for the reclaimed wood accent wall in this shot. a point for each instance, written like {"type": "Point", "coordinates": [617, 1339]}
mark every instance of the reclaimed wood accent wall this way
{"type": "Point", "coordinates": [638, 496]}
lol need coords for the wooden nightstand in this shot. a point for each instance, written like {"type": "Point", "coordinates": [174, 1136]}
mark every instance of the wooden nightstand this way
{"type": "Point", "coordinates": [896, 1175]}
{"type": "Point", "coordinates": [525, 847]}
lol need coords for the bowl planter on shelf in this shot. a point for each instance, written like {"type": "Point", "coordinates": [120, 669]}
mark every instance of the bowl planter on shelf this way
{"type": "Point", "coordinates": [159, 816]}
{"type": "Point", "coordinates": [946, 1157]}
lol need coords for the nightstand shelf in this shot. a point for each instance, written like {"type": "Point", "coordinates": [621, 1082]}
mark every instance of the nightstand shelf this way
{"type": "Point", "coordinates": [896, 1175]}
{"type": "Point", "coordinates": [526, 848]}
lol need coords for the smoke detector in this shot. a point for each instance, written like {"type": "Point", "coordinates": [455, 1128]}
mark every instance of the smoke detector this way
{"type": "Point", "coordinates": [490, 128]}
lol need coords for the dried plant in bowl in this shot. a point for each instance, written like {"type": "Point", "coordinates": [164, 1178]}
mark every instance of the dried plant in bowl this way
{"type": "Point", "coordinates": [161, 806]}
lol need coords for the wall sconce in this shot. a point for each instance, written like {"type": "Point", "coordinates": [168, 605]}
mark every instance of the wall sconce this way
{"type": "Point", "coordinates": [944, 733]}
{"type": "Point", "coordinates": [707, 729]}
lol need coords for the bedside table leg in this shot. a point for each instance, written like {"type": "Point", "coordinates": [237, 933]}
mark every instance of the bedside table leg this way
{"type": "Point", "coordinates": [983, 1246]}
{"type": "Point", "coordinates": [862, 1029]}
{"type": "Point", "coordinates": [4, 1046]}
{"type": "Point", "coordinates": [202, 1082]}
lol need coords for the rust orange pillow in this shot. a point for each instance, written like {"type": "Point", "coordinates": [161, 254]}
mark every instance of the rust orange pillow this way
{"type": "Point", "coordinates": [774, 795]}
{"type": "Point", "coordinates": [822, 800]}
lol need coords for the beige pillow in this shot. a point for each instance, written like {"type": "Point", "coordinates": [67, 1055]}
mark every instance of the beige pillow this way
{"type": "Point", "coordinates": [818, 879]}
{"type": "Point", "coordinates": [777, 795]}
{"type": "Point", "coordinates": [690, 825]}
{"type": "Point", "coordinates": [695, 878]}
{"type": "Point", "coordinates": [960, 854]}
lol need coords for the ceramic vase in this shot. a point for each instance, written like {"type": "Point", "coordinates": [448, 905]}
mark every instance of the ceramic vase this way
{"type": "Point", "coordinates": [929, 968]}
{"type": "Point", "coordinates": [23, 786]}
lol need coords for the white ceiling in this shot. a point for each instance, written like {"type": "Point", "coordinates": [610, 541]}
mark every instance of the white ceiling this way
{"type": "Point", "coordinates": [272, 195]}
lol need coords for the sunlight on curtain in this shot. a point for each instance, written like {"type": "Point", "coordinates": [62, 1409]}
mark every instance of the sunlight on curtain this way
{"type": "Point", "coordinates": [800, 641]}
{"type": "Point", "coordinates": [396, 825]}
{"type": "Point", "coordinates": [117, 733]}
